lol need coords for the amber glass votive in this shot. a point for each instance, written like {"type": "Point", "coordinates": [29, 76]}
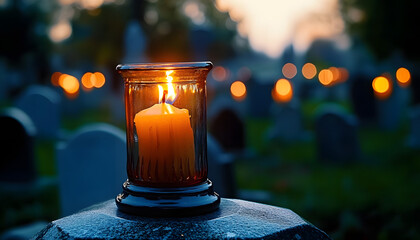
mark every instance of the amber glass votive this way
{"type": "Point", "coordinates": [165, 107]}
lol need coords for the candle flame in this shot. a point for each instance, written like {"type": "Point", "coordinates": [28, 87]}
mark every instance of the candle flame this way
{"type": "Point", "coordinates": [170, 94]}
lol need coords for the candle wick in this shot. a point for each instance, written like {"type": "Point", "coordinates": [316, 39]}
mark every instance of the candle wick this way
{"type": "Point", "coordinates": [164, 96]}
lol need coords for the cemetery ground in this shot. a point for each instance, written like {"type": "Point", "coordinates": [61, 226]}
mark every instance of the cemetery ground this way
{"type": "Point", "coordinates": [375, 197]}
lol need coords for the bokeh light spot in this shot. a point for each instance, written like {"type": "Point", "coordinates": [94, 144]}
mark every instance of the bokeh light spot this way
{"type": "Point", "coordinates": [309, 71]}
{"type": "Point", "coordinates": [219, 73]}
{"type": "Point", "coordinates": [86, 80]}
{"type": "Point", "coordinates": [325, 77]}
{"type": "Point", "coordinates": [99, 79]}
{"type": "Point", "coordinates": [54, 78]}
{"type": "Point", "coordinates": [60, 31]}
{"type": "Point", "coordinates": [282, 91]}
{"type": "Point", "coordinates": [403, 76]}
{"type": "Point", "coordinates": [69, 83]}
{"type": "Point", "coordinates": [238, 90]}
{"type": "Point", "coordinates": [335, 73]}
{"type": "Point", "coordinates": [289, 70]}
{"type": "Point", "coordinates": [382, 87]}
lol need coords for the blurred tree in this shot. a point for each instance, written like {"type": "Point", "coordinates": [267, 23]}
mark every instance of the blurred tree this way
{"type": "Point", "coordinates": [385, 26]}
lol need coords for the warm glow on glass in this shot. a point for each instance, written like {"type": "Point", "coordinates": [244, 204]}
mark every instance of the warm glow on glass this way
{"type": "Point", "coordinates": [282, 91]}
{"type": "Point", "coordinates": [54, 78]}
{"type": "Point", "coordinates": [382, 87]}
{"type": "Point", "coordinates": [219, 73]}
{"type": "Point", "coordinates": [289, 70]}
{"type": "Point", "coordinates": [325, 77]}
{"type": "Point", "coordinates": [403, 76]}
{"type": "Point", "coordinates": [309, 71]}
{"type": "Point", "coordinates": [238, 90]}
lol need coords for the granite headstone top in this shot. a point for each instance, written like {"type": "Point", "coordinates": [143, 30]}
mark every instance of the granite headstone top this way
{"type": "Point", "coordinates": [235, 219]}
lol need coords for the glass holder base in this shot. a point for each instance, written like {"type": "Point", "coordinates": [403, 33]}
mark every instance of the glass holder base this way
{"type": "Point", "coordinates": [168, 202]}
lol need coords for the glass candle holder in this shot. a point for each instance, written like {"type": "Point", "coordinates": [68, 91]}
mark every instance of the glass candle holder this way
{"type": "Point", "coordinates": [166, 140]}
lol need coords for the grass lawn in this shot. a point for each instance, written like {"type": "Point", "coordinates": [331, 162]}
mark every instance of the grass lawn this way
{"type": "Point", "coordinates": [375, 197]}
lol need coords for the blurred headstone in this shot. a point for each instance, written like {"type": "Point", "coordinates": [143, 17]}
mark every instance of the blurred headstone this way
{"type": "Point", "coordinates": [134, 43]}
{"type": "Point", "coordinates": [91, 166]}
{"type": "Point", "coordinates": [228, 129]}
{"type": "Point", "coordinates": [363, 99]}
{"type": "Point", "coordinates": [42, 105]}
{"type": "Point", "coordinates": [336, 135]}
{"type": "Point", "coordinates": [16, 146]}
{"type": "Point", "coordinates": [414, 135]}
{"type": "Point", "coordinates": [390, 110]}
{"type": "Point", "coordinates": [201, 38]}
{"type": "Point", "coordinates": [221, 169]}
{"type": "Point", "coordinates": [288, 124]}
{"type": "Point", "coordinates": [259, 97]}
{"type": "Point", "coordinates": [23, 232]}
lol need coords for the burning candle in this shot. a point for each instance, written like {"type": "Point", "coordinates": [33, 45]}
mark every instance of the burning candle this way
{"type": "Point", "coordinates": [165, 140]}
{"type": "Point", "coordinates": [165, 106]}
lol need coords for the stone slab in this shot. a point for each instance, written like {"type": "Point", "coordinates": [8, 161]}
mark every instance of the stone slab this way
{"type": "Point", "coordinates": [235, 219]}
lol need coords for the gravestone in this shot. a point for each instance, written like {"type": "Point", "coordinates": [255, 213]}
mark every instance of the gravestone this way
{"type": "Point", "coordinates": [288, 124]}
{"type": "Point", "coordinates": [336, 135]}
{"type": "Point", "coordinates": [414, 135]}
{"type": "Point", "coordinates": [391, 110]}
{"type": "Point", "coordinates": [91, 166]}
{"type": "Point", "coordinates": [135, 42]}
{"type": "Point", "coordinates": [363, 99]}
{"type": "Point", "coordinates": [228, 129]}
{"type": "Point", "coordinates": [201, 38]}
{"type": "Point", "coordinates": [259, 97]}
{"type": "Point", "coordinates": [42, 105]}
{"type": "Point", "coordinates": [235, 219]}
{"type": "Point", "coordinates": [16, 146]}
{"type": "Point", "coordinates": [221, 169]}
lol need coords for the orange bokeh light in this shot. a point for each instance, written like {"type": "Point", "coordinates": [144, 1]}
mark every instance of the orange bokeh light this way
{"type": "Point", "coordinates": [54, 78]}
{"type": "Point", "coordinates": [90, 80]}
{"type": "Point", "coordinates": [219, 73]}
{"type": "Point", "coordinates": [283, 91]}
{"type": "Point", "coordinates": [382, 87]}
{"type": "Point", "coordinates": [344, 74]}
{"type": "Point", "coordinates": [86, 80]}
{"type": "Point", "coordinates": [336, 74]}
{"type": "Point", "coordinates": [69, 83]}
{"type": "Point", "coordinates": [403, 77]}
{"type": "Point", "coordinates": [309, 70]}
{"type": "Point", "coordinates": [238, 90]}
{"type": "Point", "coordinates": [289, 70]}
{"type": "Point", "coordinates": [325, 77]}
{"type": "Point", "coordinates": [100, 79]}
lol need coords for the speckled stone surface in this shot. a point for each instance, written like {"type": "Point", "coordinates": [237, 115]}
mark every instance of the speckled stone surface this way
{"type": "Point", "coordinates": [235, 219]}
